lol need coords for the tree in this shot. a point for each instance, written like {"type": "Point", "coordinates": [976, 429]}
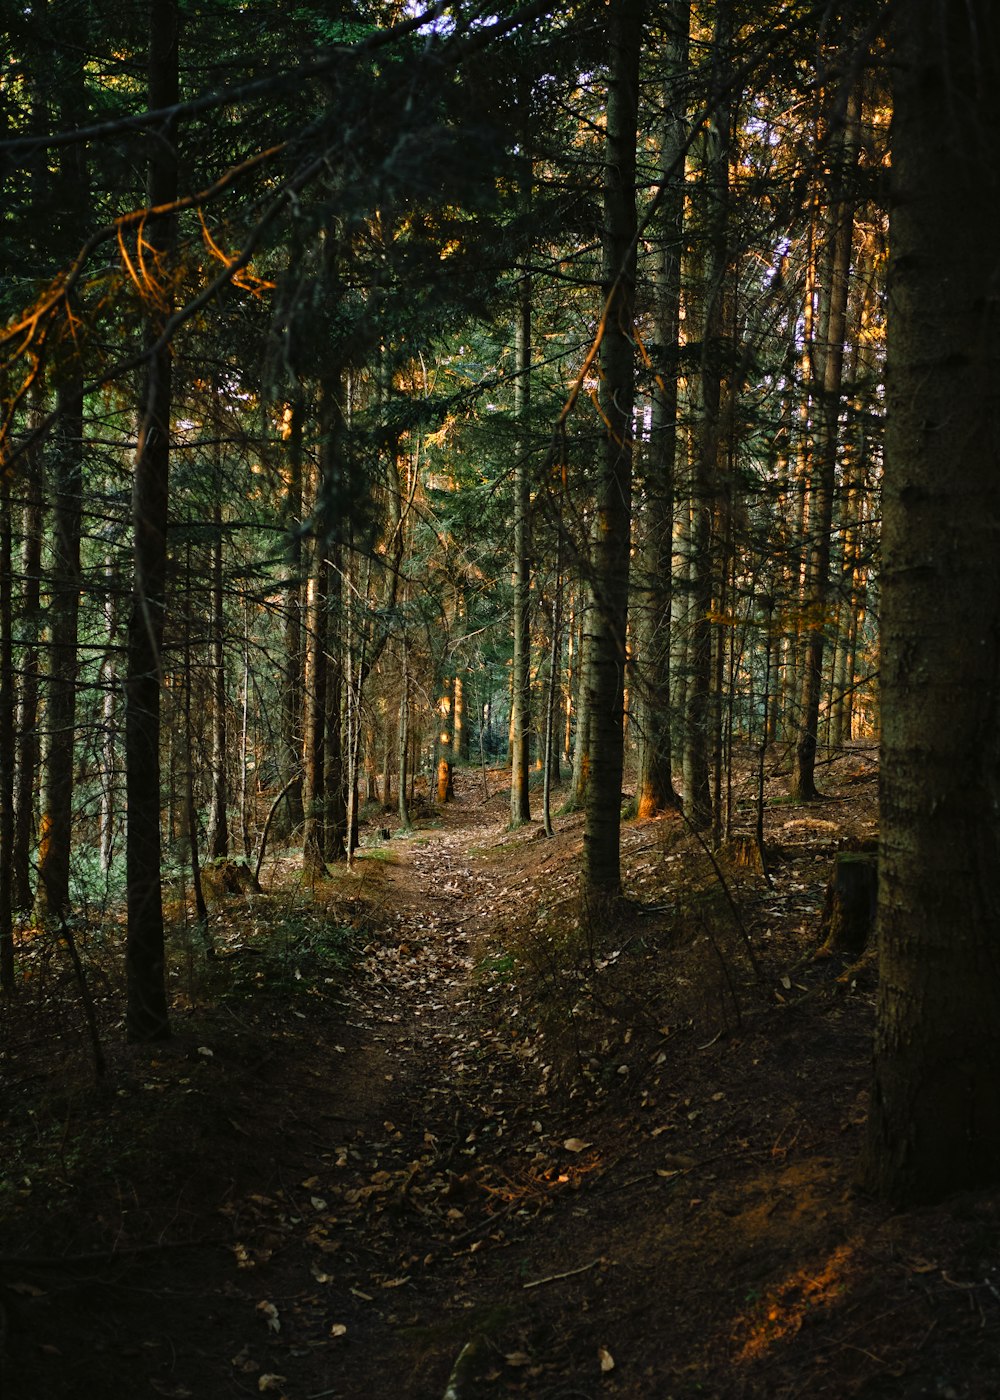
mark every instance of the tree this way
{"type": "Point", "coordinates": [605, 677]}
{"type": "Point", "coordinates": [654, 785]}
{"type": "Point", "coordinates": [147, 1016]}
{"type": "Point", "coordinates": [66, 481]}
{"type": "Point", "coordinates": [935, 1114]}
{"type": "Point", "coordinates": [829, 356]}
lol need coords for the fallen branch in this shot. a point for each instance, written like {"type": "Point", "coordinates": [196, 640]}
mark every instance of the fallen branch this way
{"type": "Point", "coordinates": [570, 1273]}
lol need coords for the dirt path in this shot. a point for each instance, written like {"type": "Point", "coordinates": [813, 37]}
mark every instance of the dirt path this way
{"type": "Point", "coordinates": [380, 1185]}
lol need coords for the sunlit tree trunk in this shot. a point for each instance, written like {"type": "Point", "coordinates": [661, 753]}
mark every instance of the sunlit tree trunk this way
{"type": "Point", "coordinates": [935, 1110]}
{"type": "Point", "coordinates": [605, 674]}
{"type": "Point", "coordinates": [445, 747]}
{"type": "Point", "coordinates": [314, 701]}
{"type": "Point", "coordinates": [655, 789]}
{"type": "Point", "coordinates": [146, 1014]}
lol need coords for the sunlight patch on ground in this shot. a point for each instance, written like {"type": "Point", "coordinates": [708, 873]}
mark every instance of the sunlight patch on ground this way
{"type": "Point", "coordinates": [797, 1298]}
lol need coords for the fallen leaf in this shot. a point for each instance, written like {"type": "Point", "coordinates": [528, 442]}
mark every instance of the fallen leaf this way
{"type": "Point", "coordinates": [243, 1361]}
{"type": "Point", "coordinates": [270, 1312]}
{"type": "Point", "coordinates": [270, 1382]}
{"type": "Point", "coordinates": [517, 1358]}
{"type": "Point", "coordinates": [606, 1359]}
{"type": "Point", "coordinates": [575, 1145]}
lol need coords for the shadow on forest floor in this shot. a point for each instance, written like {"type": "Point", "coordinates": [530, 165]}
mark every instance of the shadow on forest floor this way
{"type": "Point", "coordinates": [434, 1127]}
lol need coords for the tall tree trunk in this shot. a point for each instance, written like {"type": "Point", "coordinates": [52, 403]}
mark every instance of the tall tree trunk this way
{"type": "Point", "coordinates": [655, 788]}
{"type": "Point", "coordinates": [218, 819]}
{"type": "Point", "coordinates": [146, 1014]}
{"type": "Point", "coordinates": [6, 736]}
{"type": "Point", "coordinates": [291, 812]}
{"type": "Point", "coordinates": [606, 658]}
{"type": "Point", "coordinates": [56, 828]}
{"type": "Point", "coordinates": [830, 353]}
{"type": "Point", "coordinates": [314, 700]}
{"type": "Point", "coordinates": [403, 737]}
{"type": "Point", "coordinates": [27, 708]}
{"type": "Point", "coordinates": [66, 481]}
{"type": "Point", "coordinates": [935, 1113]}
{"type": "Point", "coordinates": [551, 754]}
{"type": "Point", "coordinates": [581, 741]}
{"type": "Point", "coordinates": [520, 698]}
{"type": "Point", "coordinates": [710, 224]}
{"type": "Point", "coordinates": [445, 746]}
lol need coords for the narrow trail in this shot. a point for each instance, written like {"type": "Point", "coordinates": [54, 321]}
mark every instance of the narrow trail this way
{"type": "Point", "coordinates": [437, 1159]}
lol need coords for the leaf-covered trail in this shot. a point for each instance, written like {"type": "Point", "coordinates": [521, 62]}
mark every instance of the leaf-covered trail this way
{"type": "Point", "coordinates": [431, 1164]}
{"type": "Point", "coordinates": [387, 1183]}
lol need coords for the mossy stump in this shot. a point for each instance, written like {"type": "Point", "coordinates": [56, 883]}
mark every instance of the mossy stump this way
{"type": "Point", "coordinates": [849, 912]}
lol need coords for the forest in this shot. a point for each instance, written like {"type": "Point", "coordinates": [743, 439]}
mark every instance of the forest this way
{"type": "Point", "coordinates": [499, 698]}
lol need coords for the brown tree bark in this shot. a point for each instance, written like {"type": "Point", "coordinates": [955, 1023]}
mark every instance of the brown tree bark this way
{"type": "Point", "coordinates": [7, 978]}
{"type": "Point", "coordinates": [606, 658]}
{"type": "Point", "coordinates": [520, 714]}
{"type": "Point", "coordinates": [654, 787]}
{"type": "Point", "coordinates": [218, 817]}
{"type": "Point", "coordinates": [55, 834]}
{"type": "Point", "coordinates": [147, 1016]}
{"type": "Point", "coordinates": [934, 1126]}
{"type": "Point", "coordinates": [26, 761]}
{"type": "Point", "coordinates": [829, 373]}
{"type": "Point", "coordinates": [710, 203]}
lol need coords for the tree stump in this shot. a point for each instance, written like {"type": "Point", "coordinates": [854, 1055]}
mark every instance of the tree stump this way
{"type": "Point", "coordinates": [224, 877]}
{"type": "Point", "coordinates": [849, 912]}
{"type": "Point", "coordinates": [744, 853]}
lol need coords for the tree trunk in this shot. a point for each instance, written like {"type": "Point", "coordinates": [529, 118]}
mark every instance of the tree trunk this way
{"type": "Point", "coordinates": [291, 813]}
{"type": "Point", "coordinates": [605, 675]}
{"type": "Point", "coordinates": [27, 709]}
{"type": "Point", "coordinates": [655, 789]}
{"type": "Point", "coordinates": [830, 354]}
{"type": "Point", "coordinates": [314, 713]}
{"type": "Point", "coordinates": [935, 1116]}
{"type": "Point", "coordinates": [218, 820]}
{"type": "Point", "coordinates": [146, 1015]}
{"type": "Point", "coordinates": [6, 740]}
{"type": "Point", "coordinates": [445, 742]}
{"type": "Point", "coordinates": [581, 742]}
{"type": "Point", "coordinates": [709, 223]}
{"type": "Point", "coordinates": [66, 481]}
{"type": "Point", "coordinates": [520, 699]}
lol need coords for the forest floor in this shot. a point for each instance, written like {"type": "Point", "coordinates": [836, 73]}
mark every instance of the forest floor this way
{"type": "Point", "coordinates": [432, 1129]}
